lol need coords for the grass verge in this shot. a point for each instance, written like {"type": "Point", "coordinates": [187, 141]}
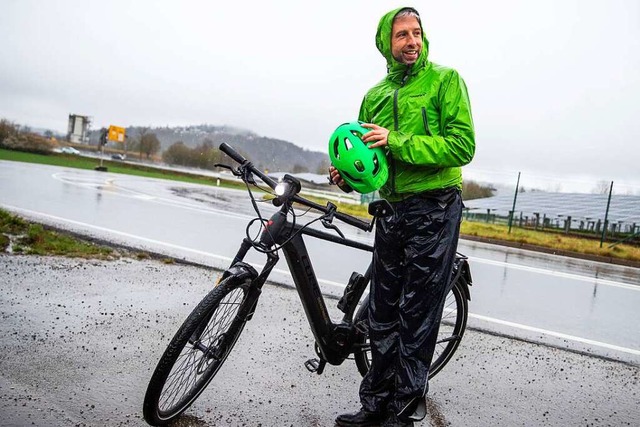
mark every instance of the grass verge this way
{"type": "Point", "coordinates": [554, 241]}
{"type": "Point", "coordinates": [22, 237]}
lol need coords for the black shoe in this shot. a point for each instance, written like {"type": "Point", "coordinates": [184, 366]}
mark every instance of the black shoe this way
{"type": "Point", "coordinates": [361, 418]}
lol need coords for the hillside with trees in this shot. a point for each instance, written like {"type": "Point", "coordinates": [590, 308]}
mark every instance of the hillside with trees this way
{"type": "Point", "coordinates": [198, 146]}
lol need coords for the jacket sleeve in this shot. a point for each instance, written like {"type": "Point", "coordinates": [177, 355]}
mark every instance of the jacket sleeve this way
{"type": "Point", "coordinates": [456, 146]}
{"type": "Point", "coordinates": [363, 115]}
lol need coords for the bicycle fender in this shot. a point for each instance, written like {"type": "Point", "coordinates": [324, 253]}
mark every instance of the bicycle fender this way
{"type": "Point", "coordinates": [465, 278]}
{"type": "Point", "coordinates": [466, 272]}
{"type": "Point", "coordinates": [240, 270]}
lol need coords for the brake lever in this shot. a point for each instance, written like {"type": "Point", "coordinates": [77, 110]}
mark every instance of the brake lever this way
{"type": "Point", "coordinates": [327, 221]}
{"type": "Point", "coordinates": [327, 224]}
{"type": "Point", "coordinates": [248, 176]}
{"type": "Point", "coordinates": [234, 171]}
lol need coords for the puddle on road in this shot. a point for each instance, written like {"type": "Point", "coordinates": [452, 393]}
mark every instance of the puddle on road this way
{"type": "Point", "coordinates": [210, 197]}
{"type": "Point", "coordinates": [237, 202]}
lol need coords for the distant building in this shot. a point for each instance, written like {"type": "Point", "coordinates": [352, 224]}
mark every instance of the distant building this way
{"type": "Point", "coordinates": [78, 128]}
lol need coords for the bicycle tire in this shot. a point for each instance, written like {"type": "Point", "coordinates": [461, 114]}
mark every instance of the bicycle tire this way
{"type": "Point", "coordinates": [197, 351]}
{"type": "Point", "coordinates": [452, 326]}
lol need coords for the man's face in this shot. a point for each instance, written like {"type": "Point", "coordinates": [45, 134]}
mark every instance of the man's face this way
{"type": "Point", "coordinates": [406, 39]}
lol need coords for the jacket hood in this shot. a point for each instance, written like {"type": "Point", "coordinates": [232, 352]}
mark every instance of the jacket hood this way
{"type": "Point", "coordinates": [383, 43]}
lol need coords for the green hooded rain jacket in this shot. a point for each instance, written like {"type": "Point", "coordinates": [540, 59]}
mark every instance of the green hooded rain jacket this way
{"type": "Point", "coordinates": [426, 108]}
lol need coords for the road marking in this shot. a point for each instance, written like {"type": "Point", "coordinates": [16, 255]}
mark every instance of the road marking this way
{"type": "Point", "coordinates": [139, 238]}
{"type": "Point", "coordinates": [326, 282]}
{"type": "Point", "coordinates": [554, 273]}
{"type": "Point", "coordinates": [557, 334]}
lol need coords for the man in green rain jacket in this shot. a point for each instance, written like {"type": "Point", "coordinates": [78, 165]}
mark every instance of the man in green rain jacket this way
{"type": "Point", "coordinates": [420, 112]}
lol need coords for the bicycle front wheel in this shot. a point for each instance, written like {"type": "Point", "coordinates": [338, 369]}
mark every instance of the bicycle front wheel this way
{"type": "Point", "coordinates": [197, 351]}
{"type": "Point", "coordinates": [452, 326]}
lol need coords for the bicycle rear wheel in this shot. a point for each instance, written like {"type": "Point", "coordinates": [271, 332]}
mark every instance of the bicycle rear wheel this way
{"type": "Point", "coordinates": [452, 326]}
{"type": "Point", "coordinates": [197, 351]}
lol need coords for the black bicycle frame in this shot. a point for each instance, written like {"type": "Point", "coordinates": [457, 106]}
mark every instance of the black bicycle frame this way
{"type": "Point", "coordinates": [333, 339]}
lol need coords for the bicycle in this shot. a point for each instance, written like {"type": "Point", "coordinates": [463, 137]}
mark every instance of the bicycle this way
{"type": "Point", "coordinates": [204, 341]}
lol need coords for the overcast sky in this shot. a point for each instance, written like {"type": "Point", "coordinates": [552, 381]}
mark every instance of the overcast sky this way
{"type": "Point", "coordinates": [554, 85]}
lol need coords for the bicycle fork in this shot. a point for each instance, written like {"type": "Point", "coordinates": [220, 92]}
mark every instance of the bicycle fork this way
{"type": "Point", "coordinates": [240, 271]}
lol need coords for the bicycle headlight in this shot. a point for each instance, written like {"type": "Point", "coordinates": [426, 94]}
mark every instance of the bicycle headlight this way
{"type": "Point", "coordinates": [281, 188]}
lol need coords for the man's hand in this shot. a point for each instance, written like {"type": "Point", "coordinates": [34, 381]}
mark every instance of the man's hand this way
{"type": "Point", "coordinates": [335, 178]}
{"type": "Point", "coordinates": [377, 135]}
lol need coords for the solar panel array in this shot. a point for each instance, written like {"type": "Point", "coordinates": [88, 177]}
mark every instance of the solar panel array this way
{"type": "Point", "coordinates": [579, 206]}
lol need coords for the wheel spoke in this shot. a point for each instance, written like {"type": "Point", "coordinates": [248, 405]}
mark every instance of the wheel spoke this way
{"type": "Point", "coordinates": [451, 338]}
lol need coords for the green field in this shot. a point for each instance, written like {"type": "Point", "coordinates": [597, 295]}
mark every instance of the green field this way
{"type": "Point", "coordinates": [496, 233]}
{"type": "Point", "coordinates": [79, 162]}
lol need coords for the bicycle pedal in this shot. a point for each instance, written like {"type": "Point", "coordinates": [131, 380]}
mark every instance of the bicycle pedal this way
{"type": "Point", "coordinates": [315, 365]}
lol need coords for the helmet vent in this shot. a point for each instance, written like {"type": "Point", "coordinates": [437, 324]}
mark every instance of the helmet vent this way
{"type": "Point", "coordinates": [359, 165]}
{"type": "Point", "coordinates": [336, 153]}
{"type": "Point", "coordinates": [376, 165]}
{"type": "Point", "coordinates": [347, 144]}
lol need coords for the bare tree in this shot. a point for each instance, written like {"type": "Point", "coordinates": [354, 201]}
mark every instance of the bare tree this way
{"type": "Point", "coordinates": [7, 129]}
{"type": "Point", "coordinates": [142, 133]}
{"type": "Point", "coordinates": [149, 144]}
{"type": "Point", "coordinates": [602, 187]}
{"type": "Point", "coordinates": [473, 190]}
{"type": "Point", "coordinates": [177, 154]}
{"type": "Point", "coordinates": [323, 168]}
{"type": "Point", "coordinates": [298, 168]}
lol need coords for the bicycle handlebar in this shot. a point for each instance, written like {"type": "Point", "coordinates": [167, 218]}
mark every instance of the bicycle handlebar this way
{"type": "Point", "coordinates": [347, 219]}
{"type": "Point", "coordinates": [231, 152]}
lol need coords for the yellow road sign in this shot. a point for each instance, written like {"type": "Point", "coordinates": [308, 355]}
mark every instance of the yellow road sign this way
{"type": "Point", "coordinates": [116, 133]}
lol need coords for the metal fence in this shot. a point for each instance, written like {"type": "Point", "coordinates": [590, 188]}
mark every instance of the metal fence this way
{"type": "Point", "coordinates": [606, 210]}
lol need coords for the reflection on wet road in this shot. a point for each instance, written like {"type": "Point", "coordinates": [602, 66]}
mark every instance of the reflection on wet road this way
{"type": "Point", "coordinates": [583, 305]}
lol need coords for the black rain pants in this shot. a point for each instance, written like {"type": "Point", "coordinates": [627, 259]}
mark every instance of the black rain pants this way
{"type": "Point", "coordinates": [413, 258]}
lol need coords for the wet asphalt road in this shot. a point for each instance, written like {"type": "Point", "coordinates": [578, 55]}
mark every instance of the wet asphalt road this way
{"type": "Point", "coordinates": [554, 300]}
{"type": "Point", "coordinates": [79, 340]}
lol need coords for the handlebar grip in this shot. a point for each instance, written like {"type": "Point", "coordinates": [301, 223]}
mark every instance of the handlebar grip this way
{"type": "Point", "coordinates": [229, 151]}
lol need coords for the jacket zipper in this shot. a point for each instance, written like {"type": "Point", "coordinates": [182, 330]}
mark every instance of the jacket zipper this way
{"type": "Point", "coordinates": [395, 109]}
{"type": "Point", "coordinates": [396, 125]}
{"type": "Point", "coordinates": [425, 120]}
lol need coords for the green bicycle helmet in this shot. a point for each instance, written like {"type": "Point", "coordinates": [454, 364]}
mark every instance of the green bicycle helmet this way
{"type": "Point", "coordinates": [364, 169]}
